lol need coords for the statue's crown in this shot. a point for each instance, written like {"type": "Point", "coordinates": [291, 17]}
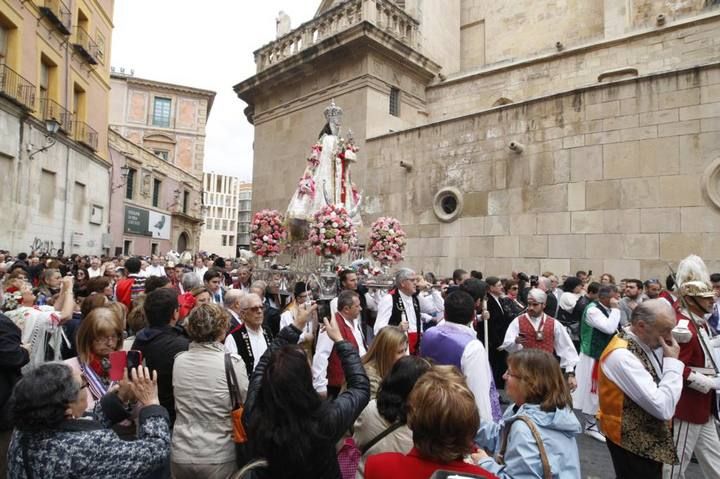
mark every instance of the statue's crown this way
{"type": "Point", "coordinates": [333, 111]}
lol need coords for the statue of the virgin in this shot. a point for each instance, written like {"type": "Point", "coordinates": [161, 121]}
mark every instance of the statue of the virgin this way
{"type": "Point", "coordinates": [326, 179]}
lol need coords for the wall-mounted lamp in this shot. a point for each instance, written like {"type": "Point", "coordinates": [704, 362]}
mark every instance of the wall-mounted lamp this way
{"type": "Point", "coordinates": [51, 127]}
{"type": "Point", "coordinates": [124, 172]}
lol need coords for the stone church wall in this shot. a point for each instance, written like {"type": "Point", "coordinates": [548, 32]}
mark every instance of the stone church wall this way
{"type": "Point", "coordinates": [610, 179]}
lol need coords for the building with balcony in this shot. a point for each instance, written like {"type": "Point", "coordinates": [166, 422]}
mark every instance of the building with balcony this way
{"type": "Point", "coordinates": [156, 206]}
{"type": "Point", "coordinates": [244, 216]}
{"type": "Point", "coordinates": [526, 135]}
{"type": "Point", "coordinates": [221, 200]}
{"type": "Point", "coordinates": [164, 118]}
{"type": "Point", "coordinates": [162, 177]}
{"type": "Point", "coordinates": [55, 77]}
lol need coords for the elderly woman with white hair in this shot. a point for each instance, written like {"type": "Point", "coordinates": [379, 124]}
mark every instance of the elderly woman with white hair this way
{"type": "Point", "coordinates": [534, 329]}
{"type": "Point", "coordinates": [403, 306]}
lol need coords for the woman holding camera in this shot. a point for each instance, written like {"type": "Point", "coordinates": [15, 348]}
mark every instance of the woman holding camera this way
{"type": "Point", "coordinates": [50, 442]}
{"type": "Point", "coordinates": [289, 424]}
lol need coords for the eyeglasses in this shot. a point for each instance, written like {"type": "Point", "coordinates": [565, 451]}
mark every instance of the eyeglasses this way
{"type": "Point", "coordinates": [512, 375]}
{"type": "Point", "coordinates": [106, 339]}
{"type": "Point", "coordinates": [255, 309]}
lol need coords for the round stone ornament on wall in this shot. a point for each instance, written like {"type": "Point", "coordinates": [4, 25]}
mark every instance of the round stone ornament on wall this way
{"type": "Point", "coordinates": [711, 182]}
{"type": "Point", "coordinates": [448, 204]}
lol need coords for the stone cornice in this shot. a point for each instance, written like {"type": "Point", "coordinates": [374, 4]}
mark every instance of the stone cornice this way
{"type": "Point", "coordinates": [322, 95]}
{"type": "Point", "coordinates": [157, 85]}
{"type": "Point", "coordinates": [363, 35]}
{"type": "Point", "coordinates": [559, 94]}
{"type": "Point", "coordinates": [570, 52]}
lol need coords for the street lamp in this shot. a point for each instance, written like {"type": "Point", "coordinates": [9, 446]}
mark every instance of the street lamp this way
{"type": "Point", "coordinates": [51, 127]}
{"type": "Point", "coordinates": [124, 172]}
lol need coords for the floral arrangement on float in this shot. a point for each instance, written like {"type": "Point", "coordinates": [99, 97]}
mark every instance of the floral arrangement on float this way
{"type": "Point", "coordinates": [267, 233]}
{"type": "Point", "coordinates": [332, 232]}
{"type": "Point", "coordinates": [387, 241]}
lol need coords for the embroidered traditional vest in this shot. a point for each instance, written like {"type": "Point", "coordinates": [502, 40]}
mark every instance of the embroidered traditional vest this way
{"type": "Point", "coordinates": [624, 422]}
{"type": "Point", "coordinates": [538, 339]}
{"type": "Point", "coordinates": [335, 374]}
{"type": "Point", "coordinates": [244, 346]}
{"type": "Point", "coordinates": [398, 313]}
{"type": "Point", "coordinates": [593, 341]}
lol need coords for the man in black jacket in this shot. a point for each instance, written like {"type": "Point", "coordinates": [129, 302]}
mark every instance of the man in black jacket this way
{"type": "Point", "coordinates": [161, 341]}
{"type": "Point", "coordinates": [13, 356]}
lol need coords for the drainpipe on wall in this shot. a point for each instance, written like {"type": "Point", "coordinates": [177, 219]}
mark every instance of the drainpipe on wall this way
{"type": "Point", "coordinates": [65, 206]}
{"type": "Point", "coordinates": [67, 156]}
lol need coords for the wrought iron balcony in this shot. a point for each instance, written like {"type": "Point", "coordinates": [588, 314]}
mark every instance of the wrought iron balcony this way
{"type": "Point", "coordinates": [85, 46]}
{"type": "Point", "coordinates": [51, 110]}
{"type": "Point", "coordinates": [16, 88]}
{"type": "Point", "coordinates": [85, 134]}
{"type": "Point", "coordinates": [58, 14]}
{"type": "Point", "coordinates": [384, 14]}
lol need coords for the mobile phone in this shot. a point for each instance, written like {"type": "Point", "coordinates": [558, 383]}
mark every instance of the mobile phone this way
{"type": "Point", "coordinates": [134, 359]}
{"type": "Point", "coordinates": [118, 361]}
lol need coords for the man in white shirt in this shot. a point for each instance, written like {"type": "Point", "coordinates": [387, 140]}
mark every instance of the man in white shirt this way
{"type": "Point", "coordinates": [639, 386]}
{"type": "Point", "coordinates": [598, 325]}
{"type": "Point", "coordinates": [403, 306]}
{"type": "Point", "coordinates": [199, 267]}
{"type": "Point", "coordinates": [349, 280]}
{"type": "Point", "coordinates": [95, 269]}
{"type": "Point", "coordinates": [535, 329]}
{"type": "Point", "coordinates": [231, 301]}
{"type": "Point", "coordinates": [156, 268]}
{"type": "Point", "coordinates": [328, 377]}
{"type": "Point", "coordinates": [454, 342]}
{"type": "Point", "coordinates": [250, 340]}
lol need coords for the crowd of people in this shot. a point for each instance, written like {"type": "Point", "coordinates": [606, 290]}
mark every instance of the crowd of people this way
{"type": "Point", "coordinates": [142, 367]}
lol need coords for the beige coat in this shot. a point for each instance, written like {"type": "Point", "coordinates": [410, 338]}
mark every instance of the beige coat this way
{"type": "Point", "coordinates": [203, 428]}
{"type": "Point", "coordinates": [368, 425]}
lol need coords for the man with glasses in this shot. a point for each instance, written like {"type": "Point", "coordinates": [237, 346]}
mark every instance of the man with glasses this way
{"type": "Point", "coordinates": [535, 329]}
{"type": "Point", "coordinates": [639, 385]}
{"type": "Point", "coordinates": [251, 339]}
{"type": "Point", "coordinates": [403, 306]}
